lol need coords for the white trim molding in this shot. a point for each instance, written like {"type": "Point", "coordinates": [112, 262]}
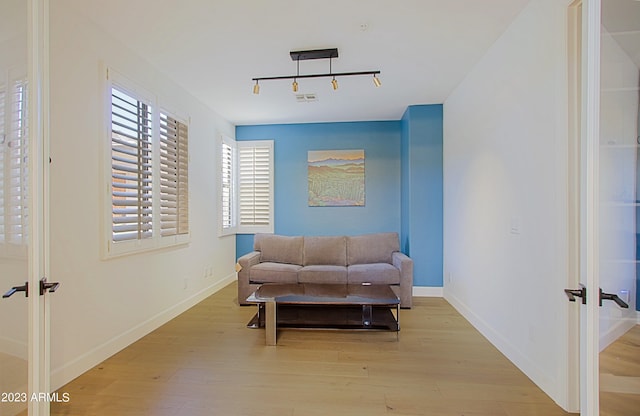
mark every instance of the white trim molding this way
{"type": "Point", "coordinates": [71, 370]}
{"type": "Point", "coordinates": [428, 291]}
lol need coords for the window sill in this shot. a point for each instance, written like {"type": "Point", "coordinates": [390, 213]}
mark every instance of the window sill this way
{"type": "Point", "coordinates": [127, 248]}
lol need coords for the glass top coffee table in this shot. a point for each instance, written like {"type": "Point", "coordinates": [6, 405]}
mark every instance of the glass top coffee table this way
{"type": "Point", "coordinates": [324, 306]}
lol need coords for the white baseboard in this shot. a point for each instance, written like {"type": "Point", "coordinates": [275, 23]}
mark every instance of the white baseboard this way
{"type": "Point", "coordinates": [14, 348]}
{"type": "Point", "coordinates": [428, 292]}
{"type": "Point", "coordinates": [616, 331]}
{"type": "Point", "coordinates": [61, 376]}
{"type": "Point", "coordinates": [513, 354]}
{"type": "Point", "coordinates": [638, 317]}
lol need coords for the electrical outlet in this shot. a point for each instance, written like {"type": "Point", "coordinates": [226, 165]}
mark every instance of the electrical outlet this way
{"type": "Point", "coordinates": [185, 284]}
{"type": "Point", "coordinates": [208, 271]}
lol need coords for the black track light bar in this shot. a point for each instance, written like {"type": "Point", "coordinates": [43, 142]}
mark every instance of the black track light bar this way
{"type": "Point", "coordinates": [329, 54]}
{"type": "Point", "coordinates": [333, 74]}
{"type": "Point", "coordinates": [314, 54]}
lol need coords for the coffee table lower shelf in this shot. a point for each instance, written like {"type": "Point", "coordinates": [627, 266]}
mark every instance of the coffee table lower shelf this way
{"type": "Point", "coordinates": [323, 317]}
{"type": "Point", "coordinates": [324, 306]}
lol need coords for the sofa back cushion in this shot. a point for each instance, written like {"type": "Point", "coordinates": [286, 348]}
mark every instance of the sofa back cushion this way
{"type": "Point", "coordinates": [372, 248]}
{"type": "Point", "coordinates": [325, 251]}
{"type": "Point", "coordinates": [279, 248]}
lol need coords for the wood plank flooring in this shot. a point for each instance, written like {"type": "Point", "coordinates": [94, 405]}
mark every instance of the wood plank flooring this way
{"type": "Point", "coordinates": [13, 379]}
{"type": "Point", "coordinates": [620, 376]}
{"type": "Point", "coordinates": [206, 362]}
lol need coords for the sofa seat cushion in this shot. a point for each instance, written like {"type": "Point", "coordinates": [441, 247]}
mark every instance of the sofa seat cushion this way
{"type": "Point", "coordinates": [274, 273]}
{"type": "Point", "coordinates": [279, 248]}
{"type": "Point", "coordinates": [372, 248]}
{"type": "Point", "coordinates": [325, 250]}
{"type": "Point", "coordinates": [323, 274]}
{"type": "Point", "coordinates": [376, 273]}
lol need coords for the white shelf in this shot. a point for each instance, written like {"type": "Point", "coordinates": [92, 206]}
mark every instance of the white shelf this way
{"type": "Point", "coordinates": [620, 89]}
{"type": "Point", "coordinates": [621, 204]}
{"type": "Point", "coordinates": [619, 146]}
{"type": "Point", "coordinates": [621, 261]}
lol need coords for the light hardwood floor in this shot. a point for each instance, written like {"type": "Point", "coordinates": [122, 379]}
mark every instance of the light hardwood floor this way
{"type": "Point", "coordinates": [206, 362]}
{"type": "Point", "coordinates": [620, 376]}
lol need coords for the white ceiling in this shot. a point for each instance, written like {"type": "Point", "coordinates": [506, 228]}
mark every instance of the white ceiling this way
{"type": "Point", "coordinates": [213, 48]}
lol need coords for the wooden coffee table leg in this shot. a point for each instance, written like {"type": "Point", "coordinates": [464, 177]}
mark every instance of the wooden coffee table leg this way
{"type": "Point", "coordinates": [270, 323]}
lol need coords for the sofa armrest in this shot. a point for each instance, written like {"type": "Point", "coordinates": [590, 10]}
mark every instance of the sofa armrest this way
{"type": "Point", "coordinates": [404, 263]}
{"type": "Point", "coordinates": [243, 268]}
{"type": "Point", "coordinates": [249, 259]}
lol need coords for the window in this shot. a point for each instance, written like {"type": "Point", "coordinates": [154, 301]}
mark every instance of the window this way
{"type": "Point", "coordinates": [174, 176]}
{"type": "Point", "coordinates": [148, 172]}
{"type": "Point", "coordinates": [131, 167]}
{"type": "Point", "coordinates": [255, 199]}
{"type": "Point", "coordinates": [14, 167]}
{"type": "Point", "coordinates": [227, 190]}
{"type": "Point", "coordinates": [246, 186]}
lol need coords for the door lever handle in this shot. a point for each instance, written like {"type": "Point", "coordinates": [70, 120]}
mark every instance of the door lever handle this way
{"type": "Point", "coordinates": [24, 288]}
{"type": "Point", "coordinates": [51, 287]}
{"type": "Point", "coordinates": [573, 293]}
{"type": "Point", "coordinates": [613, 297]}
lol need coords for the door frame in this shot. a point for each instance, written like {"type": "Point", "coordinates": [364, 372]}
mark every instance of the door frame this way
{"type": "Point", "coordinates": [38, 260]}
{"type": "Point", "coordinates": [574, 194]}
{"type": "Point", "coordinates": [584, 205]}
{"type": "Point", "coordinates": [590, 209]}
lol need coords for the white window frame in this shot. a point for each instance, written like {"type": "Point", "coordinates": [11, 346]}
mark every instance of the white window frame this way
{"type": "Point", "coordinates": [238, 184]}
{"type": "Point", "coordinates": [111, 248]}
{"type": "Point", "coordinates": [227, 221]}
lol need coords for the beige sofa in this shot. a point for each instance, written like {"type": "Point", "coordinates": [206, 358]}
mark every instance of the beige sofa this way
{"type": "Point", "coordinates": [370, 258]}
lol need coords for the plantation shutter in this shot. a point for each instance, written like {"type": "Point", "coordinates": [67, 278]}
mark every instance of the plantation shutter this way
{"type": "Point", "coordinates": [227, 185]}
{"type": "Point", "coordinates": [18, 152]}
{"type": "Point", "coordinates": [131, 167]}
{"type": "Point", "coordinates": [254, 177]}
{"type": "Point", "coordinates": [174, 176]}
{"type": "Point", "coordinates": [14, 150]}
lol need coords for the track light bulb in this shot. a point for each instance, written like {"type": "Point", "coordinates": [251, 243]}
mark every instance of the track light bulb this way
{"type": "Point", "coordinates": [294, 86]}
{"type": "Point", "coordinates": [334, 83]}
{"type": "Point", "coordinates": [256, 88]}
{"type": "Point", "coordinates": [376, 81]}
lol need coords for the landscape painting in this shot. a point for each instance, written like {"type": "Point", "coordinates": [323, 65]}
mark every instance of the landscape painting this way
{"type": "Point", "coordinates": [336, 178]}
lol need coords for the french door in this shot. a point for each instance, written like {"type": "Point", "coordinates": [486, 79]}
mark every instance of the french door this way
{"type": "Point", "coordinates": [24, 325]}
{"type": "Point", "coordinates": [610, 208]}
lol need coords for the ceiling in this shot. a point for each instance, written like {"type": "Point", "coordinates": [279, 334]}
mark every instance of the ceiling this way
{"type": "Point", "coordinates": [213, 48]}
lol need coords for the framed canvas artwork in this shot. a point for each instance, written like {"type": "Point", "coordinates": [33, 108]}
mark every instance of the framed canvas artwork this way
{"type": "Point", "coordinates": [336, 178]}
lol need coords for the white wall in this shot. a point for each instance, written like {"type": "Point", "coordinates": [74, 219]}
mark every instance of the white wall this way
{"type": "Point", "coordinates": [618, 154]}
{"type": "Point", "coordinates": [103, 305]}
{"type": "Point", "coordinates": [505, 195]}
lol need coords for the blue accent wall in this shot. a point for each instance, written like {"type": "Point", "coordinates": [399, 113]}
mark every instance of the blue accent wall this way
{"type": "Point", "coordinates": [381, 143]}
{"type": "Point", "coordinates": [422, 192]}
{"type": "Point", "coordinates": [403, 183]}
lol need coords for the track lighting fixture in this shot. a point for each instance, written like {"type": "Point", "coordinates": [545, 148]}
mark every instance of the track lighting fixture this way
{"type": "Point", "coordinates": [316, 54]}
